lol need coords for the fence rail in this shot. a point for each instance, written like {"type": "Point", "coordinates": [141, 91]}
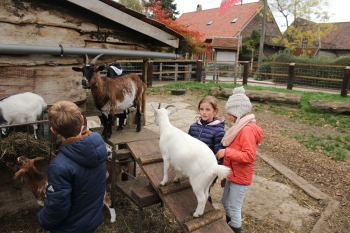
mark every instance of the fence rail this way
{"type": "Point", "coordinates": [311, 76]}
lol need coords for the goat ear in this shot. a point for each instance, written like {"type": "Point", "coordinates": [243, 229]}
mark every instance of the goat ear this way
{"type": "Point", "coordinates": [77, 69]}
{"type": "Point", "coordinates": [172, 111]}
{"type": "Point", "coordinates": [100, 68]}
{"type": "Point", "coordinates": [38, 158]}
{"type": "Point", "coordinates": [154, 108]}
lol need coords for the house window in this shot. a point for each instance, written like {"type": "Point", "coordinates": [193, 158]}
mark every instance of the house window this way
{"type": "Point", "coordinates": [304, 43]}
{"type": "Point", "coordinates": [210, 22]}
{"type": "Point", "coordinates": [234, 20]}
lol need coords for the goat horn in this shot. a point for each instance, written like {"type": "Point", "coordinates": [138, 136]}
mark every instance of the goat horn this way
{"type": "Point", "coordinates": [169, 106]}
{"type": "Point", "coordinates": [86, 59]}
{"type": "Point", "coordinates": [159, 106]}
{"type": "Point", "coordinates": [95, 59]}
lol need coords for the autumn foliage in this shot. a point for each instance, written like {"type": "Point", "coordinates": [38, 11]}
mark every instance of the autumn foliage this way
{"type": "Point", "coordinates": [194, 39]}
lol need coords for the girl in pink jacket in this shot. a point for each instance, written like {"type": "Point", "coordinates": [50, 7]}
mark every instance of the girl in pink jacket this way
{"type": "Point", "coordinates": [241, 141]}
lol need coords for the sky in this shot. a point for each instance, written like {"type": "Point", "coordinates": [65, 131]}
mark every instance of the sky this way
{"type": "Point", "coordinates": [338, 9]}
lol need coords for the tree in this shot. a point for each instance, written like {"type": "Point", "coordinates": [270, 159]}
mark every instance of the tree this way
{"type": "Point", "coordinates": [133, 4]}
{"type": "Point", "coordinates": [166, 5]}
{"type": "Point", "coordinates": [249, 45]}
{"type": "Point", "coordinates": [194, 40]}
{"type": "Point", "coordinates": [308, 19]}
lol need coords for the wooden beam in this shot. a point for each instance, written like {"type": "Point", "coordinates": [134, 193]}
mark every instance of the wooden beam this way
{"type": "Point", "coordinates": [120, 17]}
{"type": "Point", "coordinates": [204, 220]}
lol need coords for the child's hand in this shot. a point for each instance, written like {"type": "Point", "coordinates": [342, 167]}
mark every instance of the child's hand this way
{"type": "Point", "coordinates": [223, 182]}
{"type": "Point", "coordinates": [220, 154]}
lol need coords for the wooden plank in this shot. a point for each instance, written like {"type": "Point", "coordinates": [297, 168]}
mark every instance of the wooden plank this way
{"type": "Point", "coordinates": [139, 191]}
{"type": "Point", "coordinates": [129, 134]}
{"type": "Point", "coordinates": [207, 218]}
{"type": "Point", "coordinates": [182, 203]}
{"type": "Point", "coordinates": [122, 154]}
{"type": "Point", "coordinates": [174, 187]}
{"type": "Point", "coordinates": [153, 158]}
{"type": "Point", "coordinates": [128, 21]}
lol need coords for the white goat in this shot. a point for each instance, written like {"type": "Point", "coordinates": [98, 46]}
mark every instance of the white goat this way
{"type": "Point", "coordinates": [189, 156]}
{"type": "Point", "coordinates": [21, 108]}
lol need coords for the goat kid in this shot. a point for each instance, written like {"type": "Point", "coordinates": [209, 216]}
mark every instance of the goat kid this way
{"type": "Point", "coordinates": [36, 181]}
{"type": "Point", "coordinates": [189, 156]}
{"type": "Point", "coordinates": [110, 94]}
{"type": "Point", "coordinates": [21, 108]}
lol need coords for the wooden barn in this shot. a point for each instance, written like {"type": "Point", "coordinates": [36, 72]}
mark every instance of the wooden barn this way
{"type": "Point", "coordinates": [42, 40]}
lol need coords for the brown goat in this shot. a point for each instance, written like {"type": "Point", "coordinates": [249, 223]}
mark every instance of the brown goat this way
{"type": "Point", "coordinates": [110, 94]}
{"type": "Point", "coordinates": [36, 181]}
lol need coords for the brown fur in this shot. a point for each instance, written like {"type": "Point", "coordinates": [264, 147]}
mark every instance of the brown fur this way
{"type": "Point", "coordinates": [109, 91]}
{"type": "Point", "coordinates": [36, 180]}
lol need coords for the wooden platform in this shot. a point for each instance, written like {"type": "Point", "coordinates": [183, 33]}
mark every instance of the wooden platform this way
{"type": "Point", "coordinates": [178, 197]}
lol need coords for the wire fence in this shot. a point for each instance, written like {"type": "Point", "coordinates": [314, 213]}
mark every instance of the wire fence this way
{"type": "Point", "coordinates": [20, 141]}
{"type": "Point", "coordinates": [164, 70]}
{"type": "Point", "coordinates": [311, 76]}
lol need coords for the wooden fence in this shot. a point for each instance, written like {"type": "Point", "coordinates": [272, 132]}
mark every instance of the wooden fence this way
{"type": "Point", "coordinates": [291, 75]}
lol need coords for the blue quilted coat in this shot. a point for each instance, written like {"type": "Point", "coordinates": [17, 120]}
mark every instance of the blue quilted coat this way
{"type": "Point", "coordinates": [210, 133]}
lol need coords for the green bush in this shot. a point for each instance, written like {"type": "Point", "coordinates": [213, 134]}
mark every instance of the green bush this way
{"type": "Point", "coordinates": [264, 68]}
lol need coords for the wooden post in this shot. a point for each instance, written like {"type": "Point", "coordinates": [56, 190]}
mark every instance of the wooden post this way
{"type": "Point", "coordinates": [245, 72]}
{"type": "Point", "coordinates": [149, 73]}
{"type": "Point", "coordinates": [143, 105]}
{"type": "Point", "coordinates": [160, 71]}
{"type": "Point", "coordinates": [290, 81]}
{"type": "Point", "coordinates": [199, 71]}
{"type": "Point", "coordinates": [345, 85]}
{"type": "Point", "coordinates": [176, 70]}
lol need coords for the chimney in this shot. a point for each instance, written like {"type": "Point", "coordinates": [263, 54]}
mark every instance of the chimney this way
{"type": "Point", "coordinates": [199, 8]}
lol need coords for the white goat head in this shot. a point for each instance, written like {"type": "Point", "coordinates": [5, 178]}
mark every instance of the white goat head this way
{"type": "Point", "coordinates": [162, 111]}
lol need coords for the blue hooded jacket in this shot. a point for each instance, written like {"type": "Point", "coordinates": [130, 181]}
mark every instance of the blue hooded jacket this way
{"type": "Point", "coordinates": [210, 133]}
{"type": "Point", "coordinates": [76, 186]}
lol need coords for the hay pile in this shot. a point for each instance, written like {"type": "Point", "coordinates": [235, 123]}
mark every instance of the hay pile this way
{"type": "Point", "coordinates": [18, 144]}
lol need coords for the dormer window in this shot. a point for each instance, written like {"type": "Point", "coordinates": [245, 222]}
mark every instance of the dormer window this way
{"type": "Point", "coordinates": [210, 22]}
{"type": "Point", "coordinates": [234, 20]}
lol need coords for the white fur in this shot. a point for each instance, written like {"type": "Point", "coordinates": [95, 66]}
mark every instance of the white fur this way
{"type": "Point", "coordinates": [22, 108]}
{"type": "Point", "coordinates": [93, 122]}
{"type": "Point", "coordinates": [189, 156]}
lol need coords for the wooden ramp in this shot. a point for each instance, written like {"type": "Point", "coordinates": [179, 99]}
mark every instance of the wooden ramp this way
{"type": "Point", "coordinates": [178, 197]}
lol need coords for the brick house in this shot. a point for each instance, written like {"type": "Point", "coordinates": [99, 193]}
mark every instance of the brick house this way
{"type": "Point", "coordinates": [222, 33]}
{"type": "Point", "coordinates": [336, 43]}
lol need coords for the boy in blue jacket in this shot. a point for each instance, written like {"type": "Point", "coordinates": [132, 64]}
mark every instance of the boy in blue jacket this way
{"type": "Point", "coordinates": [209, 128]}
{"type": "Point", "coordinates": [76, 175]}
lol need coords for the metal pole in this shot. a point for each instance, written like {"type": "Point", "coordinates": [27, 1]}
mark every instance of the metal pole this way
{"type": "Point", "coordinates": [60, 50]}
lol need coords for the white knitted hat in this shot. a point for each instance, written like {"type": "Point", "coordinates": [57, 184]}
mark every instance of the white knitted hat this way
{"type": "Point", "coordinates": [238, 103]}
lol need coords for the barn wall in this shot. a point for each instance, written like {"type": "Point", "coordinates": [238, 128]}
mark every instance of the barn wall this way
{"type": "Point", "coordinates": [51, 23]}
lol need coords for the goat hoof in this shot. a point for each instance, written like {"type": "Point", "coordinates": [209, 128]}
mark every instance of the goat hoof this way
{"type": "Point", "coordinates": [196, 215]}
{"type": "Point", "coordinates": [120, 128]}
{"type": "Point", "coordinates": [176, 180]}
{"type": "Point", "coordinates": [162, 183]}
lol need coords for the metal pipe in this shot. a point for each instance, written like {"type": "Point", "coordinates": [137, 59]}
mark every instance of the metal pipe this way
{"type": "Point", "coordinates": [60, 50]}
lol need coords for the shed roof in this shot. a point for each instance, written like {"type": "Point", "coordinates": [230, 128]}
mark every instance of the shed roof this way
{"type": "Point", "coordinates": [132, 19]}
{"type": "Point", "coordinates": [338, 38]}
{"type": "Point", "coordinates": [225, 42]}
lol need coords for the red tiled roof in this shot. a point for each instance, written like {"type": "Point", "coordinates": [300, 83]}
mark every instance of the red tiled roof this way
{"type": "Point", "coordinates": [338, 38]}
{"type": "Point", "coordinates": [221, 25]}
{"type": "Point", "coordinates": [224, 42]}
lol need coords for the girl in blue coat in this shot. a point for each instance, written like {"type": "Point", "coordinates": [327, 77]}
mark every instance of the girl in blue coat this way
{"type": "Point", "coordinates": [208, 128]}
